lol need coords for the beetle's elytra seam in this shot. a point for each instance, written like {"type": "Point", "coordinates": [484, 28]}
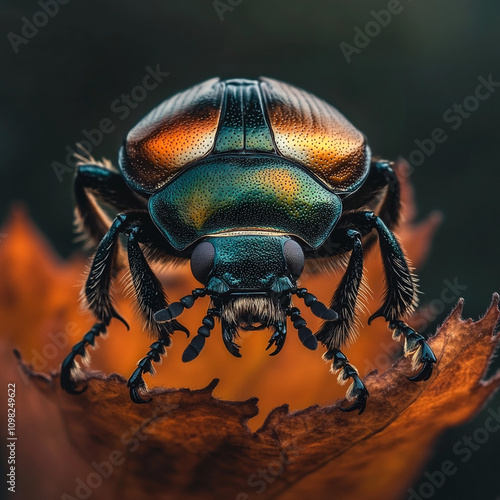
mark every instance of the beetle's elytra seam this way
{"type": "Point", "coordinates": [242, 125]}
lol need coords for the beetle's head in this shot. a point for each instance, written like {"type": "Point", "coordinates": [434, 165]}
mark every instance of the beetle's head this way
{"type": "Point", "coordinates": [250, 277]}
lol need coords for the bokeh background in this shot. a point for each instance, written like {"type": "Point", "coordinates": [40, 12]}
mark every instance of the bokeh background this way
{"type": "Point", "coordinates": [397, 89]}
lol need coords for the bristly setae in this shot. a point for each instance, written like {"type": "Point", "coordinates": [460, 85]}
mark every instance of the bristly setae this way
{"type": "Point", "coordinates": [251, 180]}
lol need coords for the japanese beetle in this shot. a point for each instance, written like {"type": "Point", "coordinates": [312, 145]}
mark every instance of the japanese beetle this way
{"type": "Point", "coordinates": [251, 180]}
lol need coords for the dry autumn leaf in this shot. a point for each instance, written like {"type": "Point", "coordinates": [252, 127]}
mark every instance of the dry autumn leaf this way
{"type": "Point", "coordinates": [190, 443]}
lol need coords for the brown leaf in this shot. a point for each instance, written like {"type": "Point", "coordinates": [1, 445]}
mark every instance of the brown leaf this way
{"type": "Point", "coordinates": [189, 445]}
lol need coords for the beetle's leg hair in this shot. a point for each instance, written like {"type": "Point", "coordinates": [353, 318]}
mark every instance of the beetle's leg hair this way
{"type": "Point", "coordinates": [346, 371]}
{"type": "Point", "coordinates": [334, 334]}
{"type": "Point", "coordinates": [400, 296]}
{"type": "Point", "coordinates": [94, 185]}
{"type": "Point", "coordinates": [148, 289]}
{"type": "Point", "coordinates": [97, 294]}
{"type": "Point", "coordinates": [150, 298]}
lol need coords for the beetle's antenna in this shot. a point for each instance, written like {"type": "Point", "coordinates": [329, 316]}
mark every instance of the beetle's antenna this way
{"type": "Point", "coordinates": [198, 343]}
{"type": "Point", "coordinates": [305, 334]}
{"type": "Point", "coordinates": [318, 308]}
{"type": "Point", "coordinates": [177, 308]}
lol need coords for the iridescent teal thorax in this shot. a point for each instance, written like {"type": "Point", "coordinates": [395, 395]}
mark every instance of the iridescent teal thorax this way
{"type": "Point", "coordinates": [247, 192]}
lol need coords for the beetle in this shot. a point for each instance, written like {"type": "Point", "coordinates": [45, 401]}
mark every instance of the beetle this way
{"type": "Point", "coordinates": [250, 180]}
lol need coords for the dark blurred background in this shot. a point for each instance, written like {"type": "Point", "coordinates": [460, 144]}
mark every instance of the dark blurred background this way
{"type": "Point", "coordinates": [65, 76]}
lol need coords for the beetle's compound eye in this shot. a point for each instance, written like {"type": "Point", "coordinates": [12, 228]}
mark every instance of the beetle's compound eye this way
{"type": "Point", "coordinates": [294, 257]}
{"type": "Point", "coordinates": [202, 261]}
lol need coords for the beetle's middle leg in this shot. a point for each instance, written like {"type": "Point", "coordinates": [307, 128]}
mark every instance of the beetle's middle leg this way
{"type": "Point", "coordinates": [401, 290]}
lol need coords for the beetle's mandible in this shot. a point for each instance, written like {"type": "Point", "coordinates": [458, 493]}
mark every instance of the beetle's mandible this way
{"type": "Point", "coordinates": [250, 180]}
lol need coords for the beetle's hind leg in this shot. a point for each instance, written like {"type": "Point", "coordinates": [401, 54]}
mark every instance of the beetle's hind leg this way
{"type": "Point", "coordinates": [382, 191]}
{"type": "Point", "coordinates": [400, 298]}
{"type": "Point", "coordinates": [97, 184]}
{"type": "Point", "coordinates": [400, 294]}
{"type": "Point", "coordinates": [69, 364]}
{"type": "Point", "coordinates": [416, 346]}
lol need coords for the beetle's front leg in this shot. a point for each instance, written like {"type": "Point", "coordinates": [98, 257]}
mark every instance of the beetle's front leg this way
{"type": "Point", "coordinates": [151, 298]}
